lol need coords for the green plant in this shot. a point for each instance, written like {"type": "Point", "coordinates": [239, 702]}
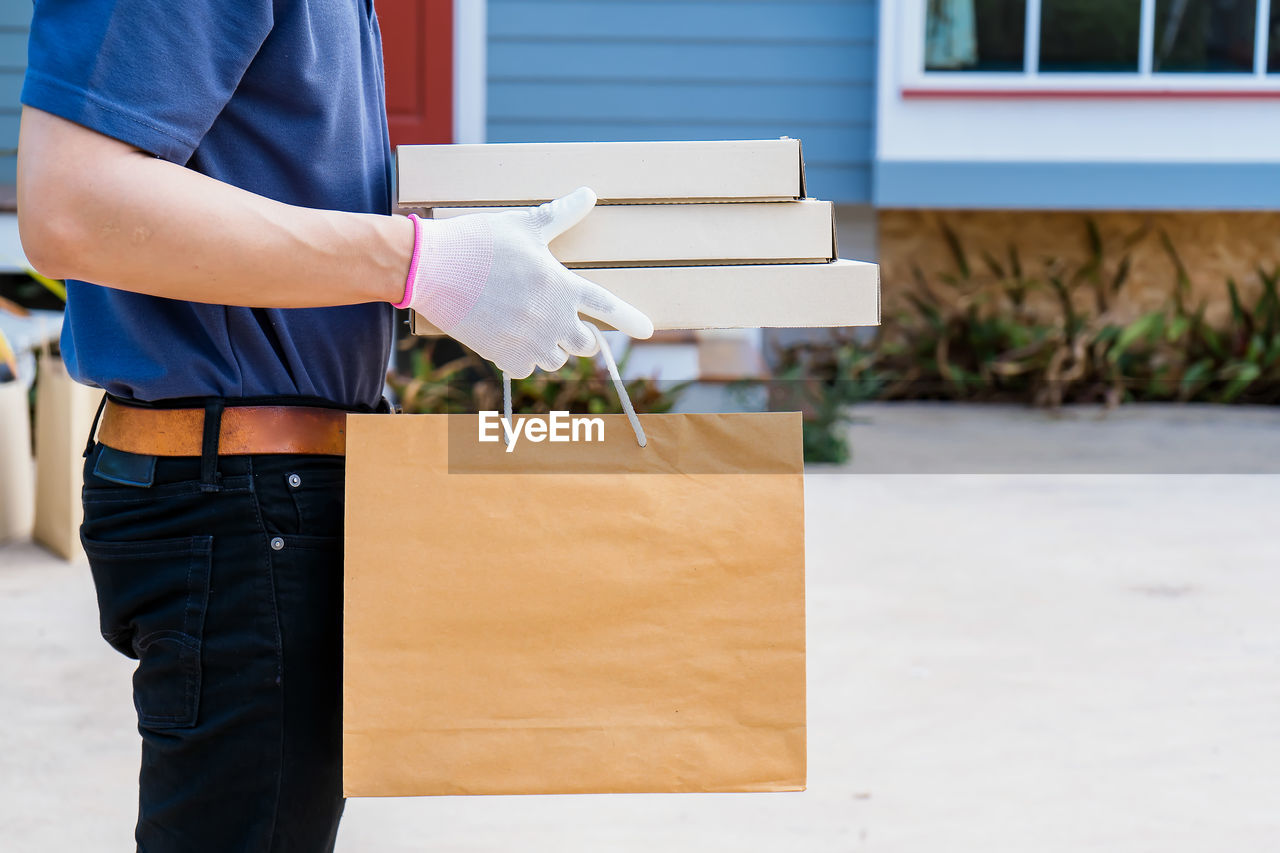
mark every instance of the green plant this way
{"type": "Point", "coordinates": [998, 333]}
{"type": "Point", "coordinates": [1003, 334]}
{"type": "Point", "coordinates": [822, 379]}
{"type": "Point", "coordinates": [467, 383]}
{"type": "Point", "coordinates": [433, 388]}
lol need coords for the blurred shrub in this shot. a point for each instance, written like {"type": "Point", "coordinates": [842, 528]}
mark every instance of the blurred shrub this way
{"type": "Point", "coordinates": [971, 335]}
{"type": "Point", "coordinates": [821, 380]}
{"type": "Point", "coordinates": [466, 383]}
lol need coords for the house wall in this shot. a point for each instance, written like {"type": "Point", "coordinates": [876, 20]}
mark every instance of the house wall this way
{"type": "Point", "coordinates": [1079, 142]}
{"type": "Point", "coordinates": [1025, 162]}
{"type": "Point", "coordinates": [589, 70]}
{"type": "Point", "coordinates": [15, 23]}
{"type": "Point", "coordinates": [1214, 247]}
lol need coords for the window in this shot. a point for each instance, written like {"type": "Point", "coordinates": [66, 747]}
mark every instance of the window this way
{"type": "Point", "coordinates": [1204, 35]}
{"type": "Point", "coordinates": [1089, 35]}
{"type": "Point", "coordinates": [1159, 42]}
{"type": "Point", "coordinates": [975, 35]}
{"type": "Point", "coordinates": [1273, 62]}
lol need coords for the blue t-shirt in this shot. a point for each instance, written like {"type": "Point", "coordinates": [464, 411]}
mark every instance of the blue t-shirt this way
{"type": "Point", "coordinates": [282, 98]}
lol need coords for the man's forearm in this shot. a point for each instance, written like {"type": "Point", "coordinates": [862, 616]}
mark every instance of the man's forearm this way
{"type": "Point", "coordinates": [96, 209]}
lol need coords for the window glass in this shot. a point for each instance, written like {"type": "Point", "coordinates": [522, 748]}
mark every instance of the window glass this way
{"type": "Point", "coordinates": [1204, 35]}
{"type": "Point", "coordinates": [1273, 49]}
{"type": "Point", "coordinates": [975, 35]}
{"type": "Point", "coordinates": [1089, 35]}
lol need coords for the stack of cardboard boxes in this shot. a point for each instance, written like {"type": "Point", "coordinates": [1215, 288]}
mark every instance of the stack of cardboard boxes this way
{"type": "Point", "coordinates": [697, 235]}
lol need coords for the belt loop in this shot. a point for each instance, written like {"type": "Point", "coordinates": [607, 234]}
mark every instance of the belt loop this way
{"type": "Point", "coordinates": [93, 428]}
{"type": "Point", "coordinates": [209, 445]}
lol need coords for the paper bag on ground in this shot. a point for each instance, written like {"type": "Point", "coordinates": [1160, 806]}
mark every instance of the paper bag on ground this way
{"type": "Point", "coordinates": [64, 415]}
{"type": "Point", "coordinates": [574, 617]}
{"type": "Point", "coordinates": [16, 475]}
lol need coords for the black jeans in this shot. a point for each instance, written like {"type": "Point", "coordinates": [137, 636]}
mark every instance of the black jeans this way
{"type": "Point", "coordinates": [230, 598]}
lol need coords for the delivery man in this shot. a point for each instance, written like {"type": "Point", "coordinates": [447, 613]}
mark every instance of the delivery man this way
{"type": "Point", "coordinates": [214, 180]}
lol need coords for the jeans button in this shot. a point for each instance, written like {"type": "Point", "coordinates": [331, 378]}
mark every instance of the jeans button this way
{"type": "Point", "coordinates": [295, 480]}
{"type": "Point", "coordinates": [277, 544]}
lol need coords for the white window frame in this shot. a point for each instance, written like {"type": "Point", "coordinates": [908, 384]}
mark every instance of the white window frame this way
{"type": "Point", "coordinates": [916, 80]}
{"type": "Point", "coordinates": [470, 40]}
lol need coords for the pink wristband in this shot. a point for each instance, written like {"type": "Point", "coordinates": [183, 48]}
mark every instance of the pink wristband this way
{"type": "Point", "coordinates": [413, 264]}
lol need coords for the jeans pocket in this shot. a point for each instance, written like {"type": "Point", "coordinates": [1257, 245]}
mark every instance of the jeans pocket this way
{"type": "Point", "coordinates": [152, 599]}
{"type": "Point", "coordinates": [318, 497]}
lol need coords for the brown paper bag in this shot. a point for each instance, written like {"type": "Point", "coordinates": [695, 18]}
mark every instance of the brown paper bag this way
{"type": "Point", "coordinates": [16, 474]}
{"type": "Point", "coordinates": [64, 415]}
{"type": "Point", "coordinates": [584, 617]}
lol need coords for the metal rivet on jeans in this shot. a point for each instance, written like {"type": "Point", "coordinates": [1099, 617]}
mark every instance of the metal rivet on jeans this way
{"type": "Point", "coordinates": [277, 544]}
{"type": "Point", "coordinates": [295, 480]}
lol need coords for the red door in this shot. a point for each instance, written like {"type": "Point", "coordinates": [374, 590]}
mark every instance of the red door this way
{"type": "Point", "coordinates": [417, 48]}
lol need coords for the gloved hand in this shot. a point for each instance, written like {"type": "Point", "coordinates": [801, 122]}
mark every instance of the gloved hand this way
{"type": "Point", "coordinates": [489, 281]}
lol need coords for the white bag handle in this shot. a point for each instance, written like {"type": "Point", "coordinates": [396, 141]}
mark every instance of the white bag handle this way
{"type": "Point", "coordinates": [617, 384]}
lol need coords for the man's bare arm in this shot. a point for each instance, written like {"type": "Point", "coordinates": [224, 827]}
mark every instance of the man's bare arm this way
{"type": "Point", "coordinates": [97, 209]}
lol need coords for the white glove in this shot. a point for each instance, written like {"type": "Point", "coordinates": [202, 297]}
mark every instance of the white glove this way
{"type": "Point", "coordinates": [489, 281]}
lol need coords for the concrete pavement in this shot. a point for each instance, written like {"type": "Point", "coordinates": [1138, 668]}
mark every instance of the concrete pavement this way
{"type": "Point", "coordinates": [1036, 662]}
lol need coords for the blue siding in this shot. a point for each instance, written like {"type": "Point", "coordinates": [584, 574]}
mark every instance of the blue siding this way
{"type": "Point", "coordinates": [1077, 186]}
{"type": "Point", "coordinates": [15, 21]}
{"type": "Point", "coordinates": [600, 70]}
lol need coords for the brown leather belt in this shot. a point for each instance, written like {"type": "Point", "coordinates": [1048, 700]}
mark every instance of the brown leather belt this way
{"type": "Point", "coordinates": [245, 430]}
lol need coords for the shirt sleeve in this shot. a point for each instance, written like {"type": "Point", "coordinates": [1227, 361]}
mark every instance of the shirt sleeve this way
{"type": "Point", "coordinates": [152, 73]}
